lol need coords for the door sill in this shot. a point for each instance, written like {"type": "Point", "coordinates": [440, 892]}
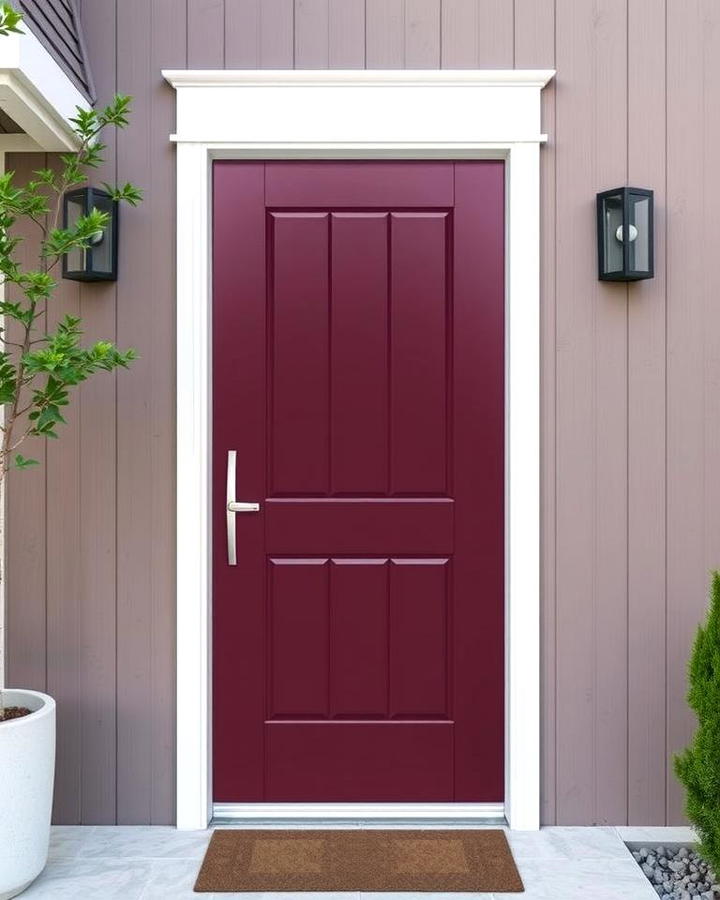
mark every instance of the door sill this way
{"type": "Point", "coordinates": [482, 813]}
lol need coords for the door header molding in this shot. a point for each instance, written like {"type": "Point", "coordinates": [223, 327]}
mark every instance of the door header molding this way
{"type": "Point", "coordinates": [382, 77]}
{"type": "Point", "coordinates": [359, 107]}
{"type": "Point", "coordinates": [337, 114]}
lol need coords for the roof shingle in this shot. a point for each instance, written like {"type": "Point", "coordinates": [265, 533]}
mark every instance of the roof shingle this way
{"type": "Point", "coordinates": [56, 24]}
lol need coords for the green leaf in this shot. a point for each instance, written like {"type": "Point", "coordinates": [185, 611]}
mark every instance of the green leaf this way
{"type": "Point", "coordinates": [93, 154]}
{"type": "Point", "coordinates": [37, 285]}
{"type": "Point", "coordinates": [85, 121]}
{"type": "Point", "coordinates": [63, 240]}
{"type": "Point", "coordinates": [22, 462]}
{"type": "Point", "coordinates": [128, 192]}
{"type": "Point", "coordinates": [9, 20]}
{"type": "Point", "coordinates": [46, 176]}
{"type": "Point", "coordinates": [117, 112]}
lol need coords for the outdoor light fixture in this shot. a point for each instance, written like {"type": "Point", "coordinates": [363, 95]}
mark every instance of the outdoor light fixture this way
{"type": "Point", "coordinates": [625, 234]}
{"type": "Point", "coordinates": [99, 261]}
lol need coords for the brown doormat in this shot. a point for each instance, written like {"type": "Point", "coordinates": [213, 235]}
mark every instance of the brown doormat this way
{"type": "Point", "coordinates": [356, 860]}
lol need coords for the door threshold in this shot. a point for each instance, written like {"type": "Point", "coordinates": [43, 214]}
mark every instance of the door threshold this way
{"type": "Point", "coordinates": [360, 813]}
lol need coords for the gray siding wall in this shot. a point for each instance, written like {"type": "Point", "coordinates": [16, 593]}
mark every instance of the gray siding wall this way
{"type": "Point", "coordinates": [630, 392]}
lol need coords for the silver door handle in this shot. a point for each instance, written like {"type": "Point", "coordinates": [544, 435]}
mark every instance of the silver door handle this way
{"type": "Point", "coordinates": [234, 506]}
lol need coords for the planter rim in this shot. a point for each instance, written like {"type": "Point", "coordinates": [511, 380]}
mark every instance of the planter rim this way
{"type": "Point", "coordinates": [48, 706]}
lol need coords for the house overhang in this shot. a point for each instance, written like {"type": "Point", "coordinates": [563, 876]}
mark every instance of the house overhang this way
{"type": "Point", "coordinates": [37, 95]}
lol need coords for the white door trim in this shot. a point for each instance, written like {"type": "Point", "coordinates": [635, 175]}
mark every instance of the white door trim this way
{"type": "Point", "coordinates": [362, 115]}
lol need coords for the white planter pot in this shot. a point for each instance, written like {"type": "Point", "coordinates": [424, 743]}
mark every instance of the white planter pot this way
{"type": "Point", "coordinates": [27, 769]}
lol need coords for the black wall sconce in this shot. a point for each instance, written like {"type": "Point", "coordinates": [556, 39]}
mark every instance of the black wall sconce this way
{"type": "Point", "coordinates": [99, 261]}
{"type": "Point", "coordinates": [625, 234]}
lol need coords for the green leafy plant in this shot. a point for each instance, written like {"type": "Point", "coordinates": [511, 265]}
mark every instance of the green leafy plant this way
{"type": "Point", "coordinates": [39, 367]}
{"type": "Point", "coordinates": [698, 767]}
{"type": "Point", "coordinates": [9, 20]}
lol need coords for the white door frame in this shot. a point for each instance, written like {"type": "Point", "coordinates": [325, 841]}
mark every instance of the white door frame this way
{"type": "Point", "coordinates": [360, 115]}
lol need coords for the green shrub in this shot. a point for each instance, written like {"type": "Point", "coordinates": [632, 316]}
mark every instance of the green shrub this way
{"type": "Point", "coordinates": [698, 767]}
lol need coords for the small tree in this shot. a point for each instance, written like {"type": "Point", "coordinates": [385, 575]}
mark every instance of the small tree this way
{"type": "Point", "coordinates": [698, 767]}
{"type": "Point", "coordinates": [40, 366]}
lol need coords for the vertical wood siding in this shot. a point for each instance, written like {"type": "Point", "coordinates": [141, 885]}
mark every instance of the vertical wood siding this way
{"type": "Point", "coordinates": [646, 743]}
{"type": "Point", "coordinates": [629, 383]}
{"type": "Point", "coordinates": [591, 423]}
{"type": "Point", "coordinates": [693, 340]}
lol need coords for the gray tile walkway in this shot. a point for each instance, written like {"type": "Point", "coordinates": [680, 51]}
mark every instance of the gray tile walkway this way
{"type": "Point", "coordinates": [153, 863]}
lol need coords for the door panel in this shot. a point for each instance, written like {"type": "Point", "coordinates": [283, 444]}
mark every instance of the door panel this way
{"type": "Point", "coordinates": [298, 651]}
{"type": "Point", "coordinates": [360, 761]}
{"type": "Point", "coordinates": [358, 372]}
{"type": "Point", "coordinates": [359, 348]}
{"type": "Point", "coordinates": [419, 661]}
{"type": "Point", "coordinates": [299, 353]}
{"type": "Point", "coordinates": [419, 318]}
{"type": "Point", "coordinates": [358, 636]}
{"type": "Point", "coordinates": [386, 185]}
{"type": "Point", "coordinates": [367, 525]}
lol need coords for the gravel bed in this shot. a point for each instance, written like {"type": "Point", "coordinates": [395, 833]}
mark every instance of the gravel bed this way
{"type": "Point", "coordinates": [676, 872]}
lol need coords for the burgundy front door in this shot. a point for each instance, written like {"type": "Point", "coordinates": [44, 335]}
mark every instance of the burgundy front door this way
{"type": "Point", "coordinates": [358, 374]}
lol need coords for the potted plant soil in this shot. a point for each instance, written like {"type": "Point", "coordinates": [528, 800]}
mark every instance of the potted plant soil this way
{"type": "Point", "coordinates": [38, 371]}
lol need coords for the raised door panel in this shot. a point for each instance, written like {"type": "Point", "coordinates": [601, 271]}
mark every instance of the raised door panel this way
{"type": "Point", "coordinates": [383, 185]}
{"type": "Point", "coordinates": [420, 402]}
{"type": "Point", "coordinates": [298, 652]}
{"type": "Point", "coordinates": [359, 353]}
{"type": "Point", "coordinates": [419, 658]}
{"type": "Point", "coordinates": [299, 353]}
{"type": "Point", "coordinates": [358, 636]}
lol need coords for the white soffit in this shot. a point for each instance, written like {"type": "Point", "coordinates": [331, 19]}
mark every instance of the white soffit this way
{"type": "Point", "coordinates": [461, 106]}
{"type": "Point", "coordinates": [37, 94]}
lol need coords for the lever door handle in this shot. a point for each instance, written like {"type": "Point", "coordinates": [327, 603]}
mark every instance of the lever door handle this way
{"type": "Point", "coordinates": [234, 506]}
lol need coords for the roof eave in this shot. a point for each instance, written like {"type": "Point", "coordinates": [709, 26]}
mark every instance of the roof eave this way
{"type": "Point", "coordinates": [37, 94]}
